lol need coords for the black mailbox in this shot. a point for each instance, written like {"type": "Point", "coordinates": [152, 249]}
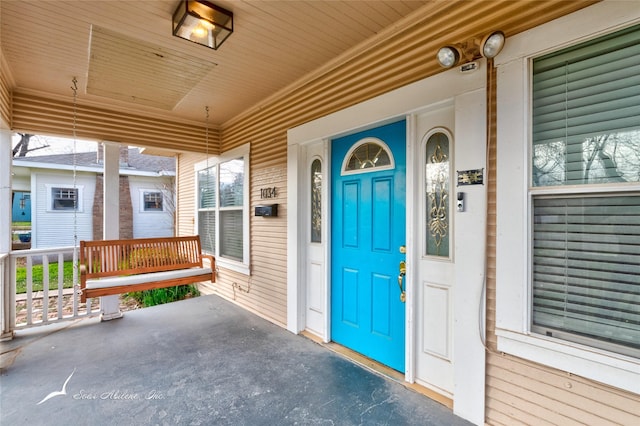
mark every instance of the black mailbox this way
{"type": "Point", "coordinates": [267, 210]}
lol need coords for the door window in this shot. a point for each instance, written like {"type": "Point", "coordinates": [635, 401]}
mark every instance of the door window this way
{"type": "Point", "coordinates": [316, 201]}
{"type": "Point", "coordinates": [437, 192]}
{"type": "Point", "coordinates": [370, 154]}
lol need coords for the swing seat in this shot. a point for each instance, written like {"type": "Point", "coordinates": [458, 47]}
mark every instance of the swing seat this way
{"type": "Point", "coordinates": [111, 267]}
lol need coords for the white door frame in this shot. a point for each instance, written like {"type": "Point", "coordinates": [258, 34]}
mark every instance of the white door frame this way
{"type": "Point", "coordinates": [397, 104]}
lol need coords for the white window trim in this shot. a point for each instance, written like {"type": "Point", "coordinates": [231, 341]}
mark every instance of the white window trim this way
{"type": "Point", "coordinates": [164, 193]}
{"type": "Point", "coordinates": [243, 267]}
{"type": "Point", "coordinates": [513, 295]}
{"type": "Point", "coordinates": [79, 204]}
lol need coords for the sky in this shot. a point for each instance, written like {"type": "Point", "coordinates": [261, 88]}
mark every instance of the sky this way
{"type": "Point", "coordinates": [56, 145]}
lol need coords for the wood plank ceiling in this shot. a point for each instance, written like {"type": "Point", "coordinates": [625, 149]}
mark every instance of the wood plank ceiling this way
{"type": "Point", "coordinates": [46, 43]}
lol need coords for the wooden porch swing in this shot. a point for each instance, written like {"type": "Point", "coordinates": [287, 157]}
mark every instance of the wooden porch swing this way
{"type": "Point", "coordinates": [109, 267]}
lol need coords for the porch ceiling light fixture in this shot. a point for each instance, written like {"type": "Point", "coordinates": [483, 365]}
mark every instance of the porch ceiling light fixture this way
{"type": "Point", "coordinates": [202, 22]}
{"type": "Point", "coordinates": [487, 47]}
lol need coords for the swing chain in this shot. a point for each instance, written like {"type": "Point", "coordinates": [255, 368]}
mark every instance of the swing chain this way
{"type": "Point", "coordinates": [74, 88]}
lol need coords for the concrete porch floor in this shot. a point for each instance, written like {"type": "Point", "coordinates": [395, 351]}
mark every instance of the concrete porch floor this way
{"type": "Point", "coordinates": [197, 362]}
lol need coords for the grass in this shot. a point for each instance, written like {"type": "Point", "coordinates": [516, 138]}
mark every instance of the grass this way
{"type": "Point", "coordinates": [161, 296]}
{"type": "Point", "coordinates": [37, 275]}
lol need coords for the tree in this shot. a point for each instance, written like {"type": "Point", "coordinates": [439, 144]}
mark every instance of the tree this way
{"type": "Point", "coordinates": [22, 148]}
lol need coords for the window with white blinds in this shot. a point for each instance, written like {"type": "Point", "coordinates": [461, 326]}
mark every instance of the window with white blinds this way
{"type": "Point", "coordinates": [207, 190]}
{"type": "Point", "coordinates": [586, 268]}
{"type": "Point", "coordinates": [222, 209]}
{"type": "Point", "coordinates": [586, 235]}
{"type": "Point", "coordinates": [586, 113]}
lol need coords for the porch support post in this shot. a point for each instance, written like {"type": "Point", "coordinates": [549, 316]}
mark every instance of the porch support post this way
{"type": "Point", "coordinates": [7, 307]}
{"type": "Point", "coordinates": [110, 305]}
{"type": "Point", "coordinates": [469, 300]}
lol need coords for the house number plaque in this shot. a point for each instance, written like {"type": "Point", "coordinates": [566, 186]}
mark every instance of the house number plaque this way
{"type": "Point", "coordinates": [268, 192]}
{"type": "Point", "coordinates": [471, 177]}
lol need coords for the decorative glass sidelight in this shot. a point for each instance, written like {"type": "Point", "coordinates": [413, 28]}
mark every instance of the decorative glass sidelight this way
{"type": "Point", "coordinates": [437, 174]}
{"type": "Point", "coordinates": [316, 201]}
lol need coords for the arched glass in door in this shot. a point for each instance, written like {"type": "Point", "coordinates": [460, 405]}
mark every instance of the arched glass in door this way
{"type": "Point", "coordinates": [368, 155]}
{"type": "Point", "coordinates": [437, 192]}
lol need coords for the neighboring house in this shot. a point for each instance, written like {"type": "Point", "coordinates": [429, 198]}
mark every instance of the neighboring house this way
{"type": "Point", "coordinates": [21, 206]}
{"type": "Point", "coordinates": [146, 189]}
{"type": "Point", "coordinates": [476, 231]}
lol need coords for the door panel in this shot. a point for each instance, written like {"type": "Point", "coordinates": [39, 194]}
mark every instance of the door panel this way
{"type": "Point", "coordinates": [436, 267]}
{"type": "Point", "coordinates": [382, 301]}
{"type": "Point", "coordinates": [316, 302]}
{"type": "Point", "coordinates": [368, 227]}
{"type": "Point", "coordinates": [382, 209]}
{"type": "Point", "coordinates": [437, 297]}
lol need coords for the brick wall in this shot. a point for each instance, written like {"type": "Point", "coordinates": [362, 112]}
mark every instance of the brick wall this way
{"type": "Point", "coordinates": [126, 209]}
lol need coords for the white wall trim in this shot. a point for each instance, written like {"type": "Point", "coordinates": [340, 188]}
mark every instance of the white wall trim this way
{"type": "Point", "coordinates": [598, 365]}
{"type": "Point", "coordinates": [295, 294]}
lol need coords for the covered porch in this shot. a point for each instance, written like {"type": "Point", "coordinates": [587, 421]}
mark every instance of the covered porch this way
{"type": "Point", "coordinates": [198, 361]}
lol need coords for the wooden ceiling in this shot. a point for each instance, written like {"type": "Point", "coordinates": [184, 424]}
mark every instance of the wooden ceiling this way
{"type": "Point", "coordinates": [124, 54]}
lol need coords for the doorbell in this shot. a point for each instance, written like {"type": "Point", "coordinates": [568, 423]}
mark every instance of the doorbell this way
{"type": "Point", "coordinates": [460, 204]}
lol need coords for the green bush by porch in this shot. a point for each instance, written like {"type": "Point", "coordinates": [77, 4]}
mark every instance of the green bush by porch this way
{"type": "Point", "coordinates": [161, 296]}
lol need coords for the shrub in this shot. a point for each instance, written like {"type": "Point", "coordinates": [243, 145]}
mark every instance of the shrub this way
{"type": "Point", "coordinates": [161, 296]}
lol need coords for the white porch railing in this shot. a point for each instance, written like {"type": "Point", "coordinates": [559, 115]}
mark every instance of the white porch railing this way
{"type": "Point", "coordinates": [5, 332]}
{"type": "Point", "coordinates": [53, 303]}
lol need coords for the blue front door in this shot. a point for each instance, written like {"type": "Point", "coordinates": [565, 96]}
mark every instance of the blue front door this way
{"type": "Point", "coordinates": [368, 229]}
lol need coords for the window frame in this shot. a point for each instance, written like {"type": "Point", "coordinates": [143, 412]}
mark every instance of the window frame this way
{"type": "Point", "coordinates": [515, 197]}
{"type": "Point", "coordinates": [143, 206]}
{"type": "Point", "coordinates": [50, 198]}
{"type": "Point", "coordinates": [241, 152]}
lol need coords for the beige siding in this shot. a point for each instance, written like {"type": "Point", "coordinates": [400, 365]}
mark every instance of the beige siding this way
{"type": "Point", "coordinates": [265, 291]}
{"type": "Point", "coordinates": [527, 393]}
{"type": "Point", "coordinates": [53, 116]}
{"type": "Point", "coordinates": [5, 94]}
{"type": "Point", "coordinates": [491, 208]}
{"type": "Point", "coordinates": [186, 193]}
{"type": "Point", "coordinates": [385, 65]}
{"type": "Point", "coordinates": [522, 392]}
